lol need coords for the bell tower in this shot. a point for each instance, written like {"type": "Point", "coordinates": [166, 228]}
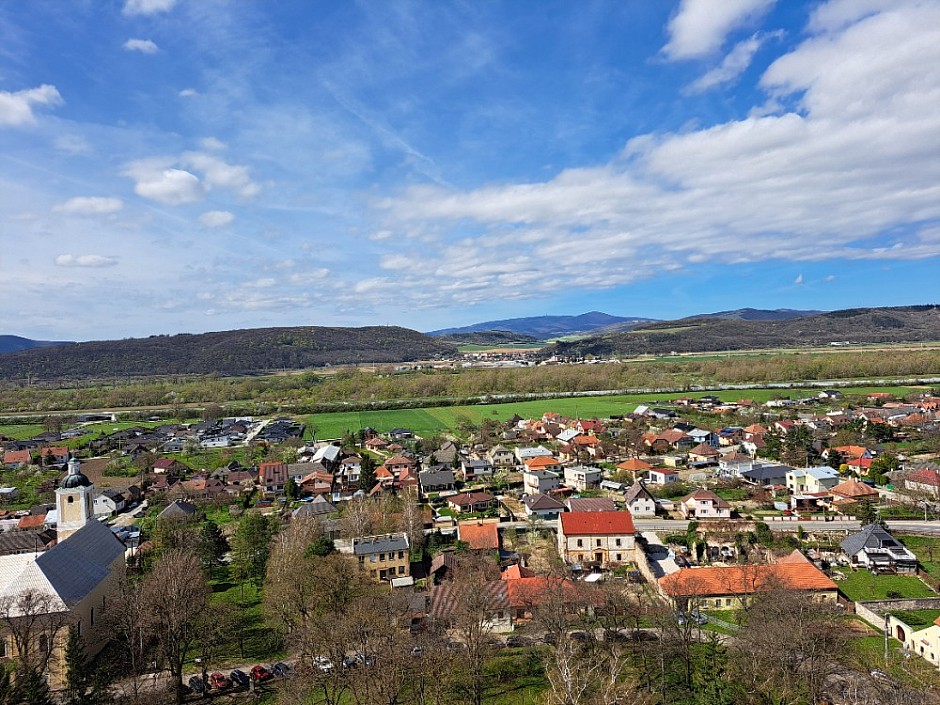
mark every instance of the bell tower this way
{"type": "Point", "coordinates": [74, 501]}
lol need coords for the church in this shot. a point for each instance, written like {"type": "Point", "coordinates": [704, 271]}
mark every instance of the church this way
{"type": "Point", "coordinates": [69, 584]}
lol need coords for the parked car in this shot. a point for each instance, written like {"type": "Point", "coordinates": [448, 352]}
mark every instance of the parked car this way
{"type": "Point", "coordinates": [323, 663]}
{"type": "Point", "coordinates": [517, 640]}
{"type": "Point", "coordinates": [261, 674]}
{"type": "Point", "coordinates": [197, 684]}
{"type": "Point", "coordinates": [240, 678]}
{"type": "Point", "coordinates": [280, 669]}
{"type": "Point", "coordinates": [219, 681]}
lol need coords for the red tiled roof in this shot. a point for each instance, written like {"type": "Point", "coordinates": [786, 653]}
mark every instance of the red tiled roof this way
{"type": "Point", "coordinates": [596, 523]}
{"type": "Point", "coordinates": [17, 457]}
{"type": "Point", "coordinates": [634, 464]}
{"type": "Point", "coordinates": [854, 489]}
{"type": "Point", "coordinates": [515, 572]}
{"type": "Point", "coordinates": [744, 579]}
{"type": "Point", "coordinates": [541, 461]}
{"type": "Point", "coordinates": [480, 536]}
{"type": "Point", "coordinates": [925, 476]}
{"type": "Point", "coordinates": [31, 521]}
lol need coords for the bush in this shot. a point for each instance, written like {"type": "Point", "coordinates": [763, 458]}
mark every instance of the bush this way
{"type": "Point", "coordinates": [513, 667]}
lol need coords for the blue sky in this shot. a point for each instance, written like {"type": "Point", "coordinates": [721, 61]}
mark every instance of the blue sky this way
{"type": "Point", "coordinates": [191, 165]}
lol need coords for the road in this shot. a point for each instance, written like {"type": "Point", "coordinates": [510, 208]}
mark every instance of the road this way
{"type": "Point", "coordinates": [678, 526]}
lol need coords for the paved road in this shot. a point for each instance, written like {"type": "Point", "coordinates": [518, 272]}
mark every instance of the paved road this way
{"type": "Point", "coordinates": [674, 526]}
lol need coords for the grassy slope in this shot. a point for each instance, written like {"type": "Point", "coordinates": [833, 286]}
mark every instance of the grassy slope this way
{"type": "Point", "coordinates": [862, 585]}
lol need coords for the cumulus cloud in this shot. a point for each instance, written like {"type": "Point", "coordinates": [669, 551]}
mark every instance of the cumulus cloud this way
{"type": "Point", "coordinates": [849, 170]}
{"type": "Point", "coordinates": [188, 93]}
{"type": "Point", "coordinates": [799, 280]}
{"type": "Point", "coordinates": [700, 27]}
{"type": "Point", "coordinates": [90, 205]}
{"type": "Point", "coordinates": [156, 180]}
{"type": "Point", "coordinates": [17, 108]}
{"type": "Point", "coordinates": [212, 143]}
{"type": "Point", "coordinates": [144, 46]}
{"type": "Point", "coordinates": [216, 219]}
{"type": "Point", "coordinates": [733, 65]}
{"type": "Point", "coordinates": [147, 7]}
{"type": "Point", "coordinates": [219, 173]}
{"type": "Point", "coordinates": [85, 261]}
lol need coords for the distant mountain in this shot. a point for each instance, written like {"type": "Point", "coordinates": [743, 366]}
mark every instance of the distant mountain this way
{"type": "Point", "coordinates": [756, 314]}
{"type": "Point", "coordinates": [545, 327]}
{"type": "Point", "coordinates": [14, 343]}
{"type": "Point", "coordinates": [488, 337]}
{"type": "Point", "coordinates": [235, 352]}
{"type": "Point", "coordinates": [902, 324]}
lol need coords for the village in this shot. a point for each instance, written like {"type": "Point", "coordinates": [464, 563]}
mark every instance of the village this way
{"type": "Point", "coordinates": [669, 507]}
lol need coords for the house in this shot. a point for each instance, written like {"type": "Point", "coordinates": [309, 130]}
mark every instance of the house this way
{"type": "Point", "coordinates": [811, 480]}
{"type": "Point", "coordinates": [199, 488]}
{"type": "Point", "coordinates": [764, 474]}
{"type": "Point", "coordinates": [874, 548]}
{"type": "Point", "coordinates": [851, 491]}
{"type": "Point", "coordinates": [501, 457]}
{"type": "Point", "coordinates": [704, 504]}
{"type": "Point", "coordinates": [542, 506]}
{"type": "Point", "coordinates": [540, 481]}
{"type": "Point", "coordinates": [634, 465]}
{"type": "Point", "coordinates": [731, 587]}
{"type": "Point", "coordinates": [169, 466]}
{"type": "Point", "coordinates": [591, 504]}
{"type": "Point", "coordinates": [376, 443]}
{"type": "Point", "coordinates": [447, 598]}
{"type": "Point", "coordinates": [523, 454]}
{"type": "Point", "coordinates": [319, 506]}
{"type": "Point", "coordinates": [600, 539]}
{"type": "Point", "coordinates": [640, 501]}
{"type": "Point", "coordinates": [272, 477]}
{"type": "Point", "coordinates": [472, 502]}
{"type": "Point", "coordinates": [527, 593]}
{"type": "Point", "coordinates": [542, 462]}
{"type": "Point", "coordinates": [108, 502]}
{"type": "Point", "coordinates": [581, 477]}
{"type": "Point", "coordinates": [54, 455]}
{"type": "Point", "coordinates": [661, 476]}
{"type": "Point", "coordinates": [926, 480]}
{"type": "Point", "coordinates": [703, 453]}
{"type": "Point", "coordinates": [178, 510]}
{"type": "Point", "coordinates": [385, 557]}
{"type": "Point", "coordinates": [436, 481]}
{"type": "Point", "coordinates": [475, 468]}
{"type": "Point", "coordinates": [480, 535]}
{"type": "Point", "coordinates": [925, 642]}
{"type": "Point", "coordinates": [398, 464]}
{"type": "Point", "coordinates": [15, 458]}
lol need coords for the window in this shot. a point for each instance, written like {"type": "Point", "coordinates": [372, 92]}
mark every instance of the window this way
{"type": "Point", "coordinates": [382, 557]}
{"type": "Point", "coordinates": [618, 542]}
{"type": "Point", "coordinates": [580, 543]}
{"type": "Point", "coordinates": [597, 542]}
{"type": "Point", "coordinates": [401, 554]}
{"type": "Point", "coordinates": [92, 616]}
{"type": "Point", "coordinates": [70, 499]}
{"type": "Point", "coordinates": [401, 570]}
{"type": "Point", "coordinates": [43, 643]}
{"type": "Point", "coordinates": [619, 558]}
{"type": "Point", "coordinates": [362, 559]}
{"type": "Point", "coordinates": [3, 648]}
{"type": "Point", "coordinates": [727, 602]}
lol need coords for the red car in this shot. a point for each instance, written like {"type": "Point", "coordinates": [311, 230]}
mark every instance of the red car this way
{"type": "Point", "coordinates": [219, 681]}
{"type": "Point", "coordinates": [261, 674]}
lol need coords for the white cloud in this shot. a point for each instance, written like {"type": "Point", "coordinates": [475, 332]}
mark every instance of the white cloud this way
{"type": "Point", "coordinates": [850, 170]}
{"type": "Point", "coordinates": [17, 108]}
{"type": "Point", "coordinates": [144, 46]}
{"type": "Point", "coordinates": [216, 219]}
{"type": "Point", "coordinates": [700, 27]}
{"type": "Point", "coordinates": [85, 261]}
{"type": "Point", "coordinates": [799, 280]}
{"type": "Point", "coordinates": [733, 65]}
{"type": "Point", "coordinates": [90, 205]}
{"type": "Point", "coordinates": [212, 143]}
{"type": "Point", "coordinates": [72, 144]}
{"type": "Point", "coordinates": [218, 173]}
{"type": "Point", "coordinates": [157, 181]}
{"type": "Point", "coordinates": [147, 7]}
{"type": "Point", "coordinates": [188, 93]}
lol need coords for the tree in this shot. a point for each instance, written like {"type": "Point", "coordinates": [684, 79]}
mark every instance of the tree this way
{"type": "Point", "coordinates": [290, 489]}
{"type": "Point", "coordinates": [412, 523]}
{"type": "Point", "coordinates": [34, 621]}
{"type": "Point", "coordinates": [251, 546]}
{"type": "Point", "coordinates": [212, 412]}
{"type": "Point", "coordinates": [127, 623]}
{"type": "Point", "coordinates": [83, 685]}
{"type": "Point", "coordinates": [175, 597]}
{"type": "Point", "coordinates": [366, 473]}
{"type": "Point", "coordinates": [834, 458]}
{"type": "Point", "coordinates": [212, 545]}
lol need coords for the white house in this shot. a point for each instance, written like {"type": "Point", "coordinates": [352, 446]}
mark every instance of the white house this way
{"type": "Point", "coordinates": [540, 481]}
{"type": "Point", "coordinates": [639, 501]}
{"type": "Point", "coordinates": [581, 477]}
{"type": "Point", "coordinates": [661, 476]}
{"type": "Point", "coordinates": [811, 480]}
{"type": "Point", "coordinates": [596, 538]}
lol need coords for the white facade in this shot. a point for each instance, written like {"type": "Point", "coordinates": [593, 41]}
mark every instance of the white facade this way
{"type": "Point", "coordinates": [540, 481]}
{"type": "Point", "coordinates": [581, 477]}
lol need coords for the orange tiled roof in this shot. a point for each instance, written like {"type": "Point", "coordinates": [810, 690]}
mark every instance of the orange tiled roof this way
{"type": "Point", "coordinates": [480, 536]}
{"type": "Point", "coordinates": [597, 523]}
{"type": "Point", "coordinates": [744, 579]}
{"type": "Point", "coordinates": [541, 461]}
{"type": "Point", "coordinates": [515, 572]}
{"type": "Point", "coordinates": [31, 521]}
{"type": "Point", "coordinates": [853, 489]}
{"type": "Point", "coordinates": [634, 464]}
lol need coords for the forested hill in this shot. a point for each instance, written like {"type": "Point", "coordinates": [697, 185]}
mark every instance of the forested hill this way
{"type": "Point", "coordinates": [861, 325]}
{"type": "Point", "coordinates": [234, 352]}
{"type": "Point", "coordinates": [14, 343]}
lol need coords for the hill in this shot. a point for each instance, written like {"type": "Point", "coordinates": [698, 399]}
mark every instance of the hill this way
{"type": "Point", "coordinates": [14, 343]}
{"type": "Point", "coordinates": [545, 327]}
{"type": "Point", "coordinates": [488, 337]}
{"type": "Point", "coordinates": [756, 314]}
{"type": "Point", "coordinates": [703, 334]}
{"type": "Point", "coordinates": [236, 352]}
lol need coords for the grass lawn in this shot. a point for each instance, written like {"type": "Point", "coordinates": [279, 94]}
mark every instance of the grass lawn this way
{"type": "Point", "coordinates": [918, 619]}
{"type": "Point", "coordinates": [21, 432]}
{"type": "Point", "coordinates": [868, 652]}
{"type": "Point", "coordinates": [430, 420]}
{"type": "Point", "coordinates": [927, 550]}
{"type": "Point", "coordinates": [862, 585]}
{"type": "Point", "coordinates": [255, 640]}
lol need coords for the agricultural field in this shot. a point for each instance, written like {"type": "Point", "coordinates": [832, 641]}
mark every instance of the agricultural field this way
{"type": "Point", "coordinates": [430, 420]}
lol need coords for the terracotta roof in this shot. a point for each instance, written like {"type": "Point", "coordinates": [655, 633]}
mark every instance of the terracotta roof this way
{"type": "Point", "coordinates": [796, 556]}
{"type": "Point", "coordinates": [744, 579]}
{"type": "Point", "coordinates": [853, 489]}
{"type": "Point", "coordinates": [925, 476]}
{"type": "Point", "coordinates": [483, 536]}
{"type": "Point", "coordinates": [31, 521]}
{"type": "Point", "coordinates": [755, 428]}
{"type": "Point", "coordinates": [634, 464]}
{"type": "Point", "coordinates": [596, 523]}
{"type": "Point", "coordinates": [541, 461]}
{"type": "Point", "coordinates": [515, 572]}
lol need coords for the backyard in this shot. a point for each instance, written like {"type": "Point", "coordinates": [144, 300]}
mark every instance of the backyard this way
{"type": "Point", "coordinates": [862, 585]}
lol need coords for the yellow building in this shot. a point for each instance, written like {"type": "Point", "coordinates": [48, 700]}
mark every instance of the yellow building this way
{"type": "Point", "coordinates": [385, 557]}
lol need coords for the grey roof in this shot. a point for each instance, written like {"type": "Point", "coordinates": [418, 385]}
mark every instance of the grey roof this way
{"type": "Point", "coordinates": [591, 504]}
{"type": "Point", "coordinates": [637, 489]}
{"type": "Point", "coordinates": [320, 506]}
{"type": "Point", "coordinates": [178, 509]}
{"type": "Point", "coordinates": [77, 565]}
{"type": "Point", "coordinates": [447, 597]}
{"type": "Point", "coordinates": [436, 477]}
{"type": "Point", "coordinates": [367, 545]}
{"type": "Point", "coordinates": [871, 536]}
{"type": "Point", "coordinates": [542, 502]}
{"type": "Point", "coordinates": [24, 541]}
{"type": "Point", "coordinates": [766, 473]}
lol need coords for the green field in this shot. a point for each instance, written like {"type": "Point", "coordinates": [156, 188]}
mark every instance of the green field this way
{"type": "Point", "coordinates": [918, 619]}
{"type": "Point", "coordinates": [430, 420]}
{"type": "Point", "coordinates": [862, 585]}
{"type": "Point", "coordinates": [927, 550]}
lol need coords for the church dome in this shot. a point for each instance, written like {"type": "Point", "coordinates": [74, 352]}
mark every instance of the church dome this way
{"type": "Point", "coordinates": [75, 478]}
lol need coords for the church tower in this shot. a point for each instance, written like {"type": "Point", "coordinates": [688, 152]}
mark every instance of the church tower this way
{"type": "Point", "coordinates": [74, 501]}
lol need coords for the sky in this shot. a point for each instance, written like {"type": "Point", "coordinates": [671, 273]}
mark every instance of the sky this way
{"type": "Point", "coordinates": [174, 166]}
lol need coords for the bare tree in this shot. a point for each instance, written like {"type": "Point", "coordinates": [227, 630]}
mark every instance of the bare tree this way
{"type": "Point", "coordinates": [175, 596]}
{"type": "Point", "coordinates": [126, 621]}
{"type": "Point", "coordinates": [412, 522]}
{"type": "Point", "coordinates": [357, 519]}
{"type": "Point", "coordinates": [34, 620]}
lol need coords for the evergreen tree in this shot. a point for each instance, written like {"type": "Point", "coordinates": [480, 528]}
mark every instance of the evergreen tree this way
{"type": "Point", "coordinates": [290, 489]}
{"type": "Point", "coordinates": [212, 544]}
{"type": "Point", "coordinates": [251, 546]}
{"type": "Point", "coordinates": [30, 688]}
{"type": "Point", "coordinates": [366, 473]}
{"type": "Point", "coordinates": [83, 684]}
